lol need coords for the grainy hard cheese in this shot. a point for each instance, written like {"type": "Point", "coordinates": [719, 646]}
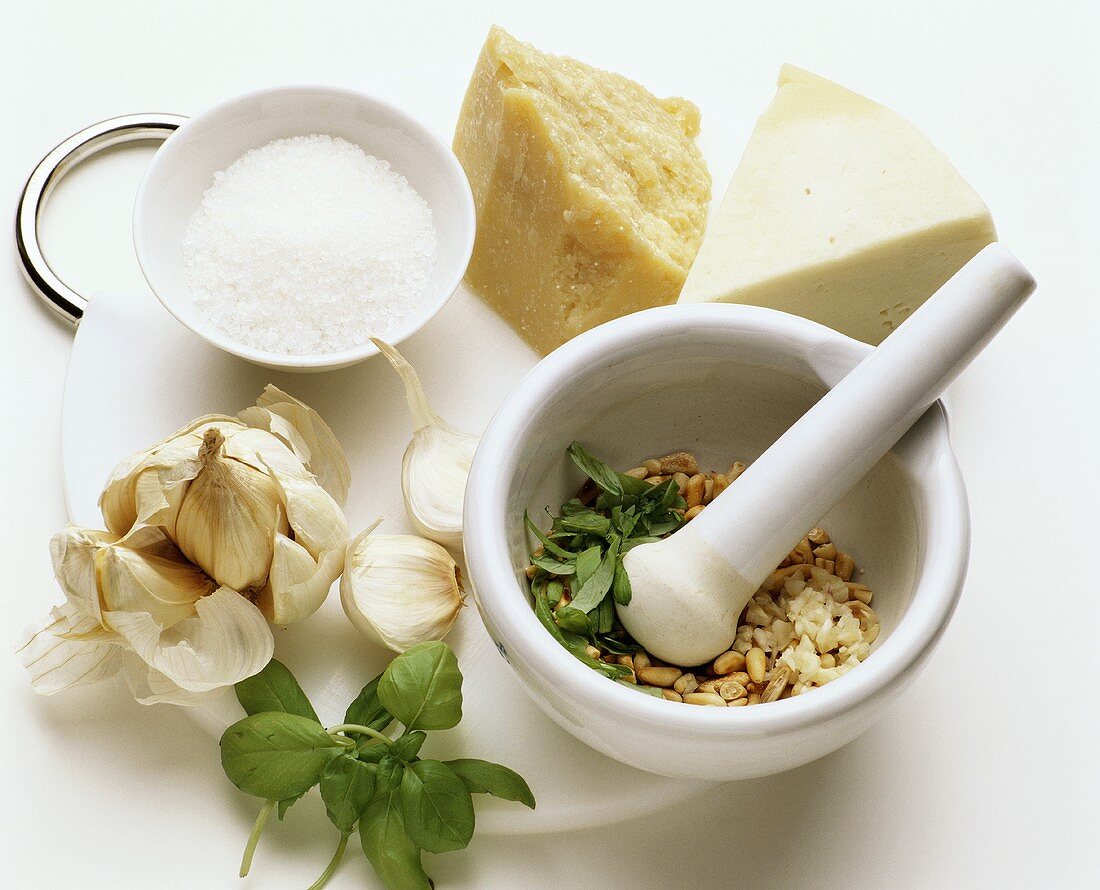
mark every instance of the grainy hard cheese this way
{"type": "Point", "coordinates": [840, 211]}
{"type": "Point", "coordinates": [591, 194]}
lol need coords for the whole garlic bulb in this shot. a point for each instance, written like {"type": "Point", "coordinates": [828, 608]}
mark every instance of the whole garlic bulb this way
{"type": "Point", "coordinates": [400, 590]}
{"type": "Point", "coordinates": [436, 465]}
{"type": "Point", "coordinates": [243, 500]}
{"type": "Point", "coordinates": [136, 608]}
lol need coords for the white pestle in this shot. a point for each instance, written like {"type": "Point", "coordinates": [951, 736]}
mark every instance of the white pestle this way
{"type": "Point", "coordinates": [690, 588]}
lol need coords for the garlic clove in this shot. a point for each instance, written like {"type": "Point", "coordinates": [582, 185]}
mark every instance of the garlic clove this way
{"type": "Point", "coordinates": [224, 641]}
{"type": "Point", "coordinates": [306, 434]}
{"type": "Point", "coordinates": [436, 464]}
{"type": "Point", "coordinates": [400, 590]}
{"type": "Point", "coordinates": [228, 518]}
{"type": "Point", "coordinates": [119, 502]}
{"type": "Point", "coordinates": [297, 587]}
{"type": "Point", "coordinates": [434, 472]}
{"type": "Point", "coordinates": [146, 573]}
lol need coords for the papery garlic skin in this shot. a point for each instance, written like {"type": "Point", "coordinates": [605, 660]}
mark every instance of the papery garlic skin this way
{"type": "Point", "coordinates": [436, 464]}
{"type": "Point", "coordinates": [242, 499]}
{"type": "Point", "coordinates": [400, 590]}
{"type": "Point", "coordinates": [136, 608]}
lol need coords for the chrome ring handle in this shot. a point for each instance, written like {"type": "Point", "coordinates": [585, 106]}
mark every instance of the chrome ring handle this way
{"type": "Point", "coordinates": [61, 298]}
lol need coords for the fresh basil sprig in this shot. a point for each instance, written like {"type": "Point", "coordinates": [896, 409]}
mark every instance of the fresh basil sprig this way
{"type": "Point", "coordinates": [369, 782]}
{"type": "Point", "coordinates": [583, 553]}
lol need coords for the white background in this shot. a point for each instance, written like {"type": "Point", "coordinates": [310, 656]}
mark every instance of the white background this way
{"type": "Point", "coordinates": [982, 774]}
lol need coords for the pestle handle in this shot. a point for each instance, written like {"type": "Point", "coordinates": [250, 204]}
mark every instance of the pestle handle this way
{"type": "Point", "coordinates": [755, 523]}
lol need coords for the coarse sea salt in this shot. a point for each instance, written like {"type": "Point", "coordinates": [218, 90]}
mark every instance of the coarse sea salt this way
{"type": "Point", "coordinates": [309, 246]}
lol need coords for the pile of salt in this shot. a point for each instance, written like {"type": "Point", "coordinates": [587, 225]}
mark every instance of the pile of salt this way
{"type": "Point", "coordinates": [309, 246]}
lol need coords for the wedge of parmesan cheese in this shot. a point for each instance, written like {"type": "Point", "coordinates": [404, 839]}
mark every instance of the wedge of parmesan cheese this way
{"type": "Point", "coordinates": [840, 211]}
{"type": "Point", "coordinates": [591, 194]}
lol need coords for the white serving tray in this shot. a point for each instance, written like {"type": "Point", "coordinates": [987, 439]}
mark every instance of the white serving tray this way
{"type": "Point", "coordinates": [136, 375]}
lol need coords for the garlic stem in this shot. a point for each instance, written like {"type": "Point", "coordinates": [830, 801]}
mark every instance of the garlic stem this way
{"type": "Point", "coordinates": [422, 413]}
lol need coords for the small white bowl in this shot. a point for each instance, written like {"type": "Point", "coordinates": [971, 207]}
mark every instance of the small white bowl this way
{"type": "Point", "coordinates": [185, 165]}
{"type": "Point", "coordinates": [723, 381]}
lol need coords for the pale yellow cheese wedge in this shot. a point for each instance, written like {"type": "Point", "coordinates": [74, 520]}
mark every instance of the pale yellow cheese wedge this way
{"type": "Point", "coordinates": [840, 211]}
{"type": "Point", "coordinates": [591, 194]}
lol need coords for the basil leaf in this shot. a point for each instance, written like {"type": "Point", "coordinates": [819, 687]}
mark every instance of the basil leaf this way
{"type": "Point", "coordinates": [386, 844]}
{"type": "Point", "coordinates": [586, 524]}
{"type": "Point", "coordinates": [620, 584]}
{"type": "Point", "coordinates": [409, 745]}
{"type": "Point", "coordinates": [368, 710]}
{"type": "Point", "coordinates": [483, 777]}
{"type": "Point", "coordinates": [576, 648]}
{"type": "Point", "coordinates": [275, 755]}
{"type": "Point", "coordinates": [287, 802]}
{"type": "Point", "coordinates": [553, 566]}
{"type": "Point", "coordinates": [658, 530]}
{"type": "Point", "coordinates": [550, 546]}
{"type": "Point", "coordinates": [371, 751]}
{"type": "Point", "coordinates": [599, 583]}
{"type": "Point", "coordinates": [347, 786]}
{"type": "Point", "coordinates": [596, 470]}
{"type": "Point", "coordinates": [618, 647]}
{"type": "Point", "coordinates": [274, 689]}
{"type": "Point", "coordinates": [422, 687]}
{"type": "Point", "coordinates": [573, 620]}
{"type": "Point", "coordinates": [388, 777]}
{"type": "Point", "coordinates": [647, 690]}
{"type": "Point", "coordinates": [588, 562]}
{"type": "Point", "coordinates": [439, 815]}
{"type": "Point", "coordinates": [602, 617]}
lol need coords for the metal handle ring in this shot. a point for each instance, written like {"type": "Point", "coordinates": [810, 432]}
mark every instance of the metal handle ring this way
{"type": "Point", "coordinates": [61, 298]}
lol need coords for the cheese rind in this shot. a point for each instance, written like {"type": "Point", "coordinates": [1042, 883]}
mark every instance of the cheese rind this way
{"type": "Point", "coordinates": [840, 211]}
{"type": "Point", "coordinates": [591, 195]}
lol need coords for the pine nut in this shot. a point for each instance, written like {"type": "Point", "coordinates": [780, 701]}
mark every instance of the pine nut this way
{"type": "Point", "coordinates": [737, 677]}
{"type": "Point", "coordinates": [860, 592]}
{"type": "Point", "coordinates": [659, 676]}
{"type": "Point", "coordinates": [708, 491]}
{"type": "Point", "coordinates": [827, 564]}
{"type": "Point", "coordinates": [652, 466]}
{"type": "Point", "coordinates": [687, 683]}
{"type": "Point", "coordinates": [731, 690]}
{"type": "Point", "coordinates": [805, 552]}
{"type": "Point", "coordinates": [728, 662]}
{"type": "Point", "coordinates": [711, 685]}
{"type": "Point", "coordinates": [737, 703]}
{"type": "Point", "coordinates": [657, 480]}
{"type": "Point", "coordinates": [736, 469]}
{"type": "Point", "coordinates": [641, 659]}
{"type": "Point", "coordinates": [818, 536]}
{"type": "Point", "coordinates": [693, 512]}
{"type": "Point", "coordinates": [679, 462]}
{"type": "Point", "coordinates": [756, 663]}
{"type": "Point", "coordinates": [637, 472]}
{"type": "Point", "coordinates": [530, 572]}
{"type": "Point", "coordinates": [825, 551]}
{"type": "Point", "coordinates": [670, 695]}
{"type": "Point", "coordinates": [721, 483]}
{"type": "Point", "coordinates": [592, 651]}
{"type": "Point", "coordinates": [681, 480]}
{"type": "Point", "coordinates": [754, 698]}
{"type": "Point", "coordinates": [705, 698]}
{"type": "Point", "coordinates": [694, 493]}
{"type": "Point", "coordinates": [845, 566]}
{"type": "Point", "coordinates": [778, 683]}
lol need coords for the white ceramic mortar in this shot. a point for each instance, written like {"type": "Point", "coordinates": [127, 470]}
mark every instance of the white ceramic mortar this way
{"type": "Point", "coordinates": [724, 382]}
